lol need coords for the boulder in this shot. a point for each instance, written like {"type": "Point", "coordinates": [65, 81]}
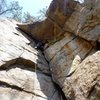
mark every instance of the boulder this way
{"type": "Point", "coordinates": [84, 84]}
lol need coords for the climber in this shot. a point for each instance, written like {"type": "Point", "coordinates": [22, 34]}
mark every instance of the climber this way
{"type": "Point", "coordinates": [39, 45]}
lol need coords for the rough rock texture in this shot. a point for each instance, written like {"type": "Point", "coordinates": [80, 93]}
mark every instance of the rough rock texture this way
{"type": "Point", "coordinates": [89, 25]}
{"type": "Point", "coordinates": [52, 26]}
{"type": "Point", "coordinates": [70, 57]}
{"type": "Point", "coordinates": [71, 25]}
{"type": "Point", "coordinates": [85, 21]}
{"type": "Point", "coordinates": [24, 72]}
{"type": "Point", "coordinates": [61, 55]}
{"type": "Point", "coordinates": [39, 30]}
{"type": "Point", "coordinates": [85, 80]}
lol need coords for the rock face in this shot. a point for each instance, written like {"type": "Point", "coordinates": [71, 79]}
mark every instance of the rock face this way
{"type": "Point", "coordinates": [89, 24]}
{"type": "Point", "coordinates": [39, 30]}
{"type": "Point", "coordinates": [24, 72]}
{"type": "Point", "coordinates": [51, 27]}
{"type": "Point", "coordinates": [70, 57]}
{"type": "Point", "coordinates": [85, 21]}
{"type": "Point", "coordinates": [84, 84]}
{"type": "Point", "coordinates": [62, 53]}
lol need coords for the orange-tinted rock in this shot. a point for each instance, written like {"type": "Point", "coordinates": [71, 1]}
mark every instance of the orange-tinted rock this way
{"type": "Point", "coordinates": [41, 31]}
{"type": "Point", "coordinates": [89, 26]}
{"type": "Point", "coordinates": [52, 26]}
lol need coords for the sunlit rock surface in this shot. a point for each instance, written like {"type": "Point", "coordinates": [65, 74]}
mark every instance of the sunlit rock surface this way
{"type": "Point", "coordinates": [70, 57]}
{"type": "Point", "coordinates": [89, 24]}
{"type": "Point", "coordinates": [24, 72]}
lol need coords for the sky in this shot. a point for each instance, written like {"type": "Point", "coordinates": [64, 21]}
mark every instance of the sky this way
{"type": "Point", "coordinates": [33, 6]}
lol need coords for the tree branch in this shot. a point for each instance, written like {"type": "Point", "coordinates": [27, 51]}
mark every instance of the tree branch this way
{"type": "Point", "coordinates": [5, 11]}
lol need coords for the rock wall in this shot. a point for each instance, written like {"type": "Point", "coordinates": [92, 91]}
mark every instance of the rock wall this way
{"type": "Point", "coordinates": [70, 59]}
{"type": "Point", "coordinates": [24, 72]}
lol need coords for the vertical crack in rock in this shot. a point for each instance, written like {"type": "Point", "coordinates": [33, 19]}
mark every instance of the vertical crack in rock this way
{"type": "Point", "coordinates": [31, 70]}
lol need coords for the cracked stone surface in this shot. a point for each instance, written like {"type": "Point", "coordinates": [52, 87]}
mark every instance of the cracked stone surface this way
{"type": "Point", "coordinates": [24, 72]}
{"type": "Point", "coordinates": [14, 47]}
{"type": "Point", "coordinates": [70, 35]}
{"type": "Point", "coordinates": [89, 24]}
{"type": "Point", "coordinates": [67, 68]}
{"type": "Point", "coordinates": [62, 53]}
{"type": "Point", "coordinates": [51, 27]}
{"type": "Point", "coordinates": [84, 84]}
{"type": "Point", "coordinates": [85, 21]}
